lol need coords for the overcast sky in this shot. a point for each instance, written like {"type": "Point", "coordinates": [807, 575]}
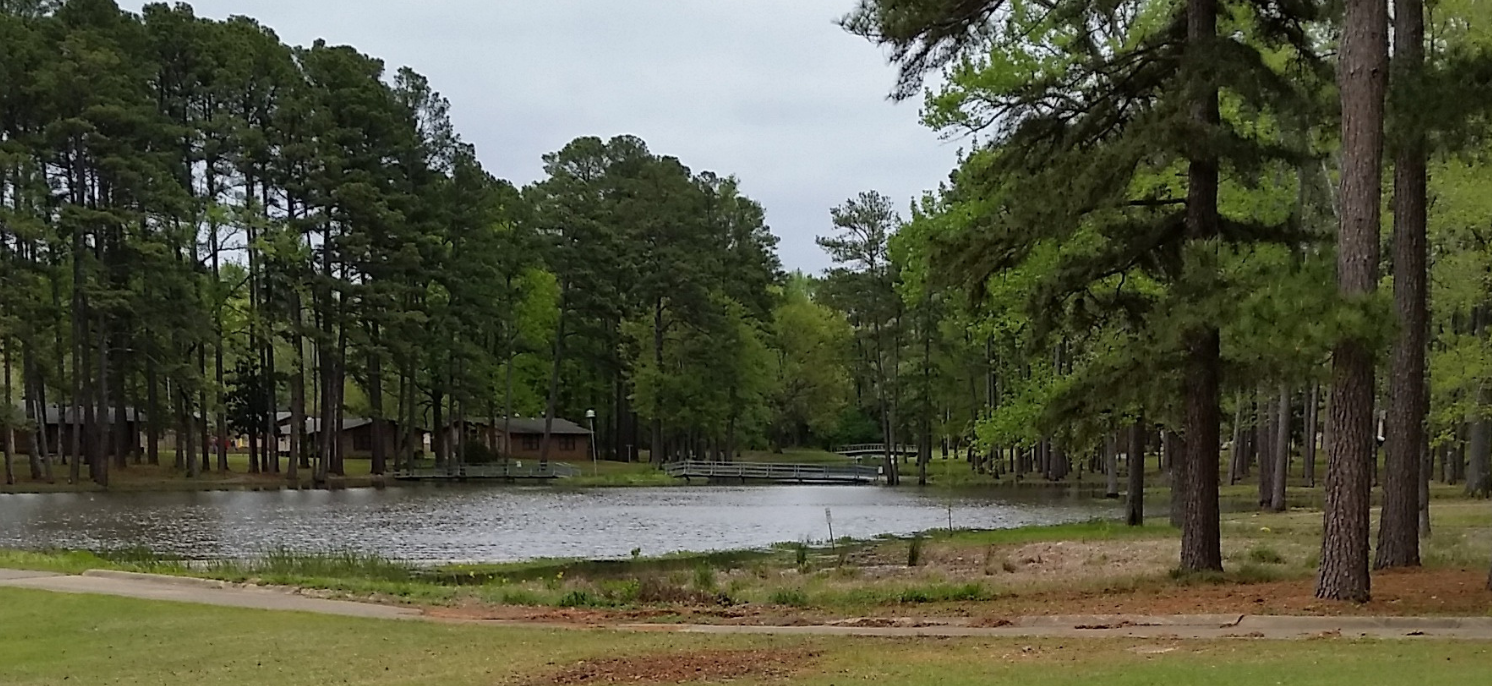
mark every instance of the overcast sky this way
{"type": "Point", "coordinates": [771, 91]}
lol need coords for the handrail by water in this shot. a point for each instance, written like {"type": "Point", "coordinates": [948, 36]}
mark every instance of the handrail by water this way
{"type": "Point", "coordinates": [774, 471]}
{"type": "Point", "coordinates": [866, 449]}
{"type": "Point", "coordinates": [511, 470]}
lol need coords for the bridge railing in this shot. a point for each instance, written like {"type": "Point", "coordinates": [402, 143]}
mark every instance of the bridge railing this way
{"type": "Point", "coordinates": [771, 471]}
{"type": "Point", "coordinates": [505, 470]}
{"type": "Point", "coordinates": [861, 449]}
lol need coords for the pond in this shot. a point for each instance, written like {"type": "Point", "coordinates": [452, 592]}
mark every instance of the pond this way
{"type": "Point", "coordinates": [448, 524]}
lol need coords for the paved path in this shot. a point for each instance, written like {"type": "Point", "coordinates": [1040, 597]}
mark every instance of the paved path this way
{"type": "Point", "coordinates": [177, 589]}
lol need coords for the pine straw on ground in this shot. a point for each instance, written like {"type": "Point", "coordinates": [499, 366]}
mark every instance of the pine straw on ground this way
{"type": "Point", "coordinates": [714, 666]}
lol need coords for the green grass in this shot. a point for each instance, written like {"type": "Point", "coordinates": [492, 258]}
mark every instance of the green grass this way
{"type": "Point", "coordinates": [48, 639]}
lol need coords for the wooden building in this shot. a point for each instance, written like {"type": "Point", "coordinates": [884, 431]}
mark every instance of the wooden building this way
{"type": "Point", "coordinates": [569, 442]}
{"type": "Point", "coordinates": [59, 423]}
{"type": "Point", "coordinates": [356, 438]}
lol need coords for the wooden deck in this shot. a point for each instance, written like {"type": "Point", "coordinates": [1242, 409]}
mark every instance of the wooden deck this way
{"type": "Point", "coordinates": [774, 472]}
{"type": "Point", "coordinates": [525, 470]}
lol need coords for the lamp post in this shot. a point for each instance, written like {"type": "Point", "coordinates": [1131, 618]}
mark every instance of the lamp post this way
{"type": "Point", "coordinates": [590, 416]}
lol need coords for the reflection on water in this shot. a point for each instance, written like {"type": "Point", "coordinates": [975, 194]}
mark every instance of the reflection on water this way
{"type": "Point", "coordinates": [501, 524]}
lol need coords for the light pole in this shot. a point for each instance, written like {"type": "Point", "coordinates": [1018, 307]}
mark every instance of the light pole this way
{"type": "Point", "coordinates": [590, 416]}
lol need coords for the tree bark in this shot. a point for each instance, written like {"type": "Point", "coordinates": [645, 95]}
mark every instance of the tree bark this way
{"type": "Point", "coordinates": [1135, 503]}
{"type": "Point", "coordinates": [1111, 467]}
{"type": "Point", "coordinates": [656, 425]}
{"type": "Point", "coordinates": [1281, 475]}
{"type": "Point", "coordinates": [1408, 405]}
{"type": "Point", "coordinates": [1172, 447]}
{"type": "Point", "coordinates": [1363, 75]}
{"type": "Point", "coordinates": [552, 405]}
{"type": "Point", "coordinates": [1312, 428]}
{"type": "Point", "coordinates": [8, 426]}
{"type": "Point", "coordinates": [1236, 453]}
{"type": "Point", "coordinates": [1265, 440]}
{"type": "Point", "coordinates": [1197, 471]}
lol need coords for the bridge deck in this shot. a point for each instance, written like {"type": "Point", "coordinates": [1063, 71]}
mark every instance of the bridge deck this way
{"type": "Point", "coordinates": [776, 472]}
{"type": "Point", "coordinates": [523, 471]}
{"type": "Point", "coordinates": [866, 450]}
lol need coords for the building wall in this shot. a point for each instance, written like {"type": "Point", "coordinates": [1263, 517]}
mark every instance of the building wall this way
{"type": "Point", "coordinates": [561, 448]}
{"type": "Point", "coordinates": [528, 446]}
{"type": "Point", "coordinates": [59, 440]}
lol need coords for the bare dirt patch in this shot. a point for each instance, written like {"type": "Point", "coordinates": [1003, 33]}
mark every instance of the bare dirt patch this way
{"type": "Point", "coordinates": [716, 666]}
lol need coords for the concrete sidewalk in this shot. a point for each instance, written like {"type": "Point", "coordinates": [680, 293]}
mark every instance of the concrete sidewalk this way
{"type": "Point", "coordinates": [206, 592]}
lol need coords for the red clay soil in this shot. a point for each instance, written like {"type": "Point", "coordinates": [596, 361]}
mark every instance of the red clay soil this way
{"type": "Point", "coordinates": [716, 666]}
{"type": "Point", "coordinates": [1411, 593]}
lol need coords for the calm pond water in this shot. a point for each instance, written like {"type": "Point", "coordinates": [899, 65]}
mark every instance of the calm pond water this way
{"type": "Point", "coordinates": [434, 524]}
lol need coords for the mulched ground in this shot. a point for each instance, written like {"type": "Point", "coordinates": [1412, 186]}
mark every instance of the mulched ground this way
{"type": "Point", "coordinates": [717, 666]}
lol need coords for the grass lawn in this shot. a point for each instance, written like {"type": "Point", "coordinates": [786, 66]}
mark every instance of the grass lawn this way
{"type": "Point", "coordinates": [63, 639]}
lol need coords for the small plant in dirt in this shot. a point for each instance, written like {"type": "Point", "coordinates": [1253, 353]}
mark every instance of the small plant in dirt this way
{"type": "Point", "coordinates": [1265, 555]}
{"type": "Point", "coordinates": [667, 591]}
{"type": "Point", "coordinates": [624, 592]}
{"type": "Point", "coordinates": [800, 554]}
{"type": "Point", "coordinates": [789, 597]}
{"type": "Point", "coordinates": [704, 578]}
{"type": "Point", "coordinates": [944, 593]}
{"type": "Point", "coordinates": [914, 552]}
{"type": "Point", "coordinates": [580, 598]}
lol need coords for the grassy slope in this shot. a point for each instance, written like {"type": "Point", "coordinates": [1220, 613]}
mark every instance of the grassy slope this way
{"type": "Point", "coordinates": [55, 639]}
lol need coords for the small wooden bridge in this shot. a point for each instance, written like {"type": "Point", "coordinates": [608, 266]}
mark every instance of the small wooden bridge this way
{"type": "Point", "coordinates": [774, 472]}
{"type": "Point", "coordinates": [860, 451]}
{"type": "Point", "coordinates": [507, 471]}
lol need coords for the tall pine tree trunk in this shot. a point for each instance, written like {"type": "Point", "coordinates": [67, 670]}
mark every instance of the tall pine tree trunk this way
{"type": "Point", "coordinates": [657, 423]}
{"type": "Point", "coordinates": [1201, 545]}
{"type": "Point", "coordinates": [8, 426]}
{"type": "Point", "coordinates": [36, 414]}
{"type": "Point", "coordinates": [1362, 76]}
{"type": "Point", "coordinates": [375, 398]}
{"type": "Point", "coordinates": [1237, 453]}
{"type": "Point", "coordinates": [1265, 440]}
{"type": "Point", "coordinates": [1312, 432]}
{"type": "Point", "coordinates": [552, 404]}
{"type": "Point", "coordinates": [1111, 467]}
{"type": "Point", "coordinates": [1281, 472]}
{"type": "Point", "coordinates": [1408, 406]}
{"type": "Point", "coordinates": [1135, 503]}
{"type": "Point", "coordinates": [295, 432]}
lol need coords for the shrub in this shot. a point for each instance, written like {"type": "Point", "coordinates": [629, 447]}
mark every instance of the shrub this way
{"type": "Point", "coordinates": [789, 597]}
{"type": "Point", "coordinates": [581, 599]}
{"type": "Point", "coordinates": [704, 578]}
{"type": "Point", "coordinates": [622, 592]}
{"type": "Point", "coordinates": [800, 553]}
{"type": "Point", "coordinates": [475, 453]}
{"type": "Point", "coordinates": [1266, 556]}
{"type": "Point", "coordinates": [944, 593]}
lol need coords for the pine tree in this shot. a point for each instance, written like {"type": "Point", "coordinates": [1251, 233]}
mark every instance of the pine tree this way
{"type": "Point", "coordinates": [1363, 75]}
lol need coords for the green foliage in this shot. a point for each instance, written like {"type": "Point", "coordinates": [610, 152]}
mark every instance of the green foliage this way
{"type": "Point", "coordinates": [789, 597]}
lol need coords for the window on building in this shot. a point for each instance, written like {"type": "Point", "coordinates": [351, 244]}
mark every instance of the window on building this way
{"type": "Point", "coordinates": [531, 442]}
{"type": "Point", "coordinates": [567, 444]}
